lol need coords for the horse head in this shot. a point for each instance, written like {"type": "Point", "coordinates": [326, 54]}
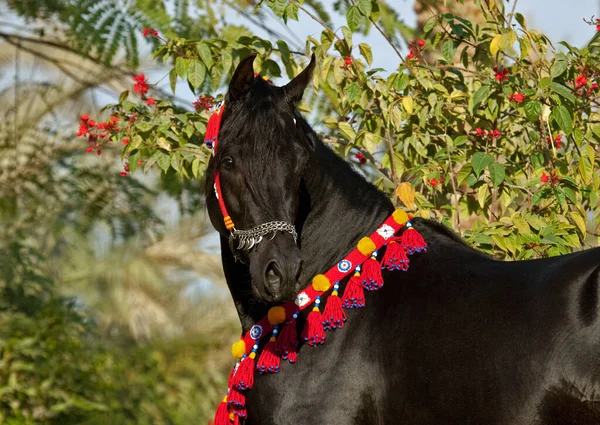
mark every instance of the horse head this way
{"type": "Point", "coordinates": [260, 158]}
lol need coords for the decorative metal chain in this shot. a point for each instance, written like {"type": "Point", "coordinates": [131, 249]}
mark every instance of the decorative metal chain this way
{"type": "Point", "coordinates": [247, 239]}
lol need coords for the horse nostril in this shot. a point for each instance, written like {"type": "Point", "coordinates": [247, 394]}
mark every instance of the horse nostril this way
{"type": "Point", "coordinates": [273, 277]}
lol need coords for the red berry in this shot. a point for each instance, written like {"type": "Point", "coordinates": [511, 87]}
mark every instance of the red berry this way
{"type": "Point", "coordinates": [140, 162]}
{"type": "Point", "coordinates": [544, 178]}
{"type": "Point", "coordinates": [123, 173]}
{"type": "Point", "coordinates": [84, 117]}
{"type": "Point", "coordinates": [125, 141]}
{"type": "Point", "coordinates": [91, 123]}
{"type": "Point", "coordinates": [90, 149]}
{"type": "Point", "coordinates": [98, 151]}
{"type": "Point", "coordinates": [421, 43]}
{"type": "Point", "coordinates": [150, 101]}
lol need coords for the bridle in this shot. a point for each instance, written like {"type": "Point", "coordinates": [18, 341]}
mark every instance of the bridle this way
{"type": "Point", "coordinates": [239, 240]}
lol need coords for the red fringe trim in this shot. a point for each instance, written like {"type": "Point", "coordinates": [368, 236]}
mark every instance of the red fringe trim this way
{"type": "Point", "coordinates": [268, 362]}
{"type": "Point", "coordinates": [395, 257]}
{"type": "Point", "coordinates": [413, 241]}
{"type": "Point", "coordinates": [313, 333]}
{"type": "Point", "coordinates": [354, 296]}
{"type": "Point", "coordinates": [333, 314]}
{"type": "Point", "coordinates": [236, 399]}
{"type": "Point", "coordinates": [243, 379]}
{"type": "Point", "coordinates": [287, 341]}
{"type": "Point", "coordinates": [222, 414]}
{"type": "Point", "coordinates": [372, 279]}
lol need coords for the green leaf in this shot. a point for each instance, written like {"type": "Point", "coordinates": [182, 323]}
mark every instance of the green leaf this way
{"type": "Point", "coordinates": [479, 96]}
{"type": "Point", "coordinates": [558, 68]}
{"type": "Point", "coordinates": [479, 161]}
{"type": "Point", "coordinates": [365, 51]}
{"type": "Point", "coordinates": [205, 54]}
{"type": "Point", "coordinates": [181, 66]}
{"type": "Point", "coordinates": [429, 25]}
{"type": "Point", "coordinates": [164, 161]}
{"type": "Point", "coordinates": [277, 6]}
{"type": "Point", "coordinates": [562, 116]}
{"type": "Point", "coordinates": [533, 110]}
{"type": "Point", "coordinates": [365, 7]}
{"type": "Point", "coordinates": [123, 97]}
{"type": "Point", "coordinates": [196, 73]}
{"type": "Point", "coordinates": [226, 60]}
{"type": "Point", "coordinates": [354, 18]}
{"type": "Point", "coordinates": [352, 91]}
{"type": "Point", "coordinates": [496, 173]}
{"type": "Point", "coordinates": [173, 80]}
{"type": "Point", "coordinates": [448, 50]}
{"type": "Point", "coordinates": [564, 92]}
{"type": "Point", "coordinates": [347, 131]}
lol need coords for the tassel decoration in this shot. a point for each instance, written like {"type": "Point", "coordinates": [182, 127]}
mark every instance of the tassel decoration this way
{"type": "Point", "coordinates": [372, 279]}
{"type": "Point", "coordinates": [236, 399]}
{"type": "Point", "coordinates": [287, 341]}
{"type": "Point", "coordinates": [239, 414]}
{"type": "Point", "coordinates": [313, 333]}
{"type": "Point", "coordinates": [268, 362]}
{"type": "Point", "coordinates": [333, 314]}
{"type": "Point", "coordinates": [395, 256]}
{"type": "Point", "coordinates": [222, 414]}
{"type": "Point", "coordinates": [412, 241]}
{"type": "Point", "coordinates": [292, 357]}
{"type": "Point", "coordinates": [354, 296]}
{"type": "Point", "coordinates": [243, 379]}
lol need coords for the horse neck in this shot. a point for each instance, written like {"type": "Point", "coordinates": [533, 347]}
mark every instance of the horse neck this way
{"type": "Point", "coordinates": [337, 208]}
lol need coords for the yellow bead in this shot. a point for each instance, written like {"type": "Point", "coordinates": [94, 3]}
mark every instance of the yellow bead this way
{"type": "Point", "coordinates": [276, 315]}
{"type": "Point", "coordinates": [225, 399]}
{"type": "Point", "coordinates": [252, 355]}
{"type": "Point", "coordinates": [321, 283]}
{"type": "Point", "coordinates": [366, 246]}
{"type": "Point", "coordinates": [238, 349]}
{"type": "Point", "coordinates": [232, 416]}
{"type": "Point", "coordinates": [400, 217]}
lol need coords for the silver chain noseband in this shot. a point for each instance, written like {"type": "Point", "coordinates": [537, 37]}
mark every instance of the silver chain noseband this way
{"type": "Point", "coordinates": [247, 239]}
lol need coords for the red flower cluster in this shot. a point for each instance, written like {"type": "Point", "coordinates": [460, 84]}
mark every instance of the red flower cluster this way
{"type": "Point", "coordinates": [531, 245]}
{"type": "Point", "coordinates": [347, 62]}
{"type": "Point", "coordinates": [434, 182]}
{"type": "Point", "coordinates": [553, 178]}
{"type": "Point", "coordinates": [150, 32]}
{"type": "Point", "coordinates": [141, 84]}
{"type": "Point", "coordinates": [88, 128]}
{"type": "Point", "coordinates": [203, 102]}
{"type": "Point", "coordinates": [479, 132]}
{"type": "Point", "coordinates": [557, 141]}
{"type": "Point", "coordinates": [361, 158]}
{"type": "Point", "coordinates": [415, 47]}
{"type": "Point", "coordinates": [501, 75]}
{"type": "Point", "coordinates": [516, 97]}
{"type": "Point", "coordinates": [126, 170]}
{"type": "Point", "coordinates": [581, 80]}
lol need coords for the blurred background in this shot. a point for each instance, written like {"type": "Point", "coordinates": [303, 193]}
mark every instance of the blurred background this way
{"type": "Point", "coordinates": [113, 307]}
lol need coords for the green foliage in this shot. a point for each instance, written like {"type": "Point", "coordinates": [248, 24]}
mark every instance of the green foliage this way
{"type": "Point", "coordinates": [476, 143]}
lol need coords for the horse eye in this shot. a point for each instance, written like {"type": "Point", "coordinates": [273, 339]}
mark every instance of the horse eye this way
{"type": "Point", "coordinates": [227, 163]}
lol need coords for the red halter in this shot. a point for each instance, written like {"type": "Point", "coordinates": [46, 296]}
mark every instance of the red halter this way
{"type": "Point", "coordinates": [212, 139]}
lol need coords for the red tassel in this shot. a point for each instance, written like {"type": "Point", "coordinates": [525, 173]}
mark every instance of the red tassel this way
{"type": "Point", "coordinates": [412, 240]}
{"type": "Point", "coordinates": [222, 414]}
{"type": "Point", "coordinates": [287, 341]}
{"type": "Point", "coordinates": [292, 357]}
{"type": "Point", "coordinates": [236, 420]}
{"type": "Point", "coordinates": [395, 256]}
{"type": "Point", "coordinates": [354, 296]}
{"type": "Point", "coordinates": [333, 315]}
{"type": "Point", "coordinates": [236, 399]}
{"type": "Point", "coordinates": [244, 376]}
{"type": "Point", "coordinates": [268, 362]}
{"type": "Point", "coordinates": [313, 333]}
{"type": "Point", "coordinates": [239, 414]}
{"type": "Point", "coordinates": [372, 279]}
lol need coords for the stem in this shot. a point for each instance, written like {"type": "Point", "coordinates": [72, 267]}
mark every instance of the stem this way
{"type": "Point", "coordinates": [389, 40]}
{"type": "Point", "coordinates": [388, 139]}
{"type": "Point", "coordinates": [512, 13]}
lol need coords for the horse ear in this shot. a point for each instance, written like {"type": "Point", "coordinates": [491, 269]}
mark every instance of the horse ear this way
{"type": "Point", "coordinates": [295, 88]}
{"type": "Point", "coordinates": [242, 78]}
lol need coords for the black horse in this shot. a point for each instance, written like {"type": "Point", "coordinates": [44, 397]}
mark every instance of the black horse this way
{"type": "Point", "coordinates": [459, 338]}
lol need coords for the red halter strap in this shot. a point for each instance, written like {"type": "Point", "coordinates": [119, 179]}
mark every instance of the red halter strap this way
{"type": "Point", "coordinates": [212, 139]}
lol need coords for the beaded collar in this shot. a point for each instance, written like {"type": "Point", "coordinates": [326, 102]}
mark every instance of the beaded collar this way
{"type": "Point", "coordinates": [275, 336]}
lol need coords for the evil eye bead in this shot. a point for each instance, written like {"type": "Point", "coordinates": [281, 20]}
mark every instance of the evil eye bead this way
{"type": "Point", "coordinates": [256, 332]}
{"type": "Point", "coordinates": [344, 266]}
